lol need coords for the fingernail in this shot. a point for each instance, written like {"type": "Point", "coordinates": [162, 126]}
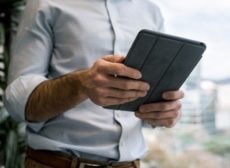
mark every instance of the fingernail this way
{"type": "Point", "coordinates": [147, 87]}
{"type": "Point", "coordinates": [164, 96]}
{"type": "Point", "coordinates": [139, 75]}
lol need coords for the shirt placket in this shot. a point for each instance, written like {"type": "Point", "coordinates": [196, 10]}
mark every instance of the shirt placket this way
{"type": "Point", "coordinates": [113, 16]}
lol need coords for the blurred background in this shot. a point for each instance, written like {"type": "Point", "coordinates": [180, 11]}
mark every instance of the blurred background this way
{"type": "Point", "coordinates": [202, 138]}
{"type": "Point", "coordinates": [12, 134]}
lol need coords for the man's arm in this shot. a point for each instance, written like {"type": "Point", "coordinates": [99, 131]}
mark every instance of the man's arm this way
{"type": "Point", "coordinates": [99, 83]}
{"type": "Point", "coordinates": [53, 97]}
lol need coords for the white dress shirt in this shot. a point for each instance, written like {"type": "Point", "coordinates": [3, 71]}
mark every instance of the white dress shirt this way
{"type": "Point", "coordinates": [59, 36]}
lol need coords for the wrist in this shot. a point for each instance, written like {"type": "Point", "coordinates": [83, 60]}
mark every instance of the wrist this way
{"type": "Point", "coordinates": [78, 81]}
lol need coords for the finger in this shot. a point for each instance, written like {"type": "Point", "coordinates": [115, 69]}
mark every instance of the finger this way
{"type": "Point", "coordinates": [172, 114]}
{"type": "Point", "coordinates": [161, 106]}
{"type": "Point", "coordinates": [128, 84]}
{"type": "Point", "coordinates": [173, 95]}
{"type": "Point", "coordinates": [114, 58]}
{"type": "Point", "coordinates": [119, 69]}
{"type": "Point", "coordinates": [168, 123]}
{"type": "Point", "coordinates": [121, 83]}
{"type": "Point", "coordinates": [118, 93]}
{"type": "Point", "coordinates": [107, 101]}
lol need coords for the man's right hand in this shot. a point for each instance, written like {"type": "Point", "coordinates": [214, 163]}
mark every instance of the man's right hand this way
{"type": "Point", "coordinates": [107, 82]}
{"type": "Point", "coordinates": [110, 82]}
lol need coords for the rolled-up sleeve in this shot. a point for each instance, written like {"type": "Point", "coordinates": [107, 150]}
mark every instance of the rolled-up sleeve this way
{"type": "Point", "coordinates": [31, 54]}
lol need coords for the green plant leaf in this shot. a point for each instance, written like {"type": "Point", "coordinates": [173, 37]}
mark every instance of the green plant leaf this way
{"type": "Point", "coordinates": [11, 149]}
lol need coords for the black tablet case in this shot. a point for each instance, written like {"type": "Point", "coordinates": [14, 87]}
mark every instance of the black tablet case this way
{"type": "Point", "coordinates": [165, 62]}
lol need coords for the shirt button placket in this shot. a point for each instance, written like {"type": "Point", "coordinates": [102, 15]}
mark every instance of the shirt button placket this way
{"type": "Point", "coordinates": [117, 35]}
{"type": "Point", "coordinates": [113, 20]}
{"type": "Point", "coordinates": [122, 147]}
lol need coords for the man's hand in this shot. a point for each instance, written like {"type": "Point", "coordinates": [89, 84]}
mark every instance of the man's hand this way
{"type": "Point", "coordinates": [163, 114]}
{"type": "Point", "coordinates": [110, 82]}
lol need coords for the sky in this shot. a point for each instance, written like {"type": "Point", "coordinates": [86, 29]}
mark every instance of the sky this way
{"type": "Point", "coordinates": [202, 20]}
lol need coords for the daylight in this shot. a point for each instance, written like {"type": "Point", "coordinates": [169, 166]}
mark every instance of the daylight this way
{"type": "Point", "coordinates": [207, 21]}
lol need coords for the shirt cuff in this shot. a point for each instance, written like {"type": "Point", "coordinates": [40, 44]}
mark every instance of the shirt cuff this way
{"type": "Point", "coordinates": [16, 97]}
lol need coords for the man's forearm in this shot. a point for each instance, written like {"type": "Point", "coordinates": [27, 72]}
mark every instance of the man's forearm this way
{"type": "Point", "coordinates": [53, 97]}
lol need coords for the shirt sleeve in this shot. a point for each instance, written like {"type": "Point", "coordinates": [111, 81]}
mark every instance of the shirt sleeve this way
{"type": "Point", "coordinates": [31, 54]}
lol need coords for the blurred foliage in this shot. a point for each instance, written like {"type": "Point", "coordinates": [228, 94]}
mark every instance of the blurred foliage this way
{"type": "Point", "coordinates": [219, 144]}
{"type": "Point", "coordinates": [12, 134]}
{"type": "Point", "coordinates": [180, 149]}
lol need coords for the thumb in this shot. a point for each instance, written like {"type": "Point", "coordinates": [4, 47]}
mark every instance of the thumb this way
{"type": "Point", "coordinates": [114, 58]}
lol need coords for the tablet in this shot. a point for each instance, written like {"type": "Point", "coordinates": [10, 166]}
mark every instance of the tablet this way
{"type": "Point", "coordinates": [165, 62]}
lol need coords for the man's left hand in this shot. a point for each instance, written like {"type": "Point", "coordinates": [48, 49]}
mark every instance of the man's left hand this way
{"type": "Point", "coordinates": [165, 113]}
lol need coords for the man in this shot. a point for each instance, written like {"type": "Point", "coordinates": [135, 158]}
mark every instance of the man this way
{"type": "Point", "coordinates": [66, 64]}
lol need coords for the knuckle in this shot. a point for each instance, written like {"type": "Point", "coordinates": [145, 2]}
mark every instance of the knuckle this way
{"type": "Point", "coordinates": [176, 113]}
{"type": "Point", "coordinates": [178, 105]}
{"type": "Point", "coordinates": [157, 115]}
{"type": "Point", "coordinates": [98, 62]}
{"type": "Point", "coordinates": [130, 94]}
{"type": "Point", "coordinates": [163, 106]}
{"type": "Point", "coordinates": [99, 65]}
{"type": "Point", "coordinates": [95, 77]}
{"type": "Point", "coordinates": [98, 80]}
{"type": "Point", "coordinates": [121, 70]}
{"type": "Point", "coordinates": [100, 92]}
{"type": "Point", "coordinates": [126, 85]}
{"type": "Point", "coordinates": [97, 91]}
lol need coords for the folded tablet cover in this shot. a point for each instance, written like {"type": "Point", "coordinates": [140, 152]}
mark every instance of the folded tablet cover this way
{"type": "Point", "coordinates": [165, 62]}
